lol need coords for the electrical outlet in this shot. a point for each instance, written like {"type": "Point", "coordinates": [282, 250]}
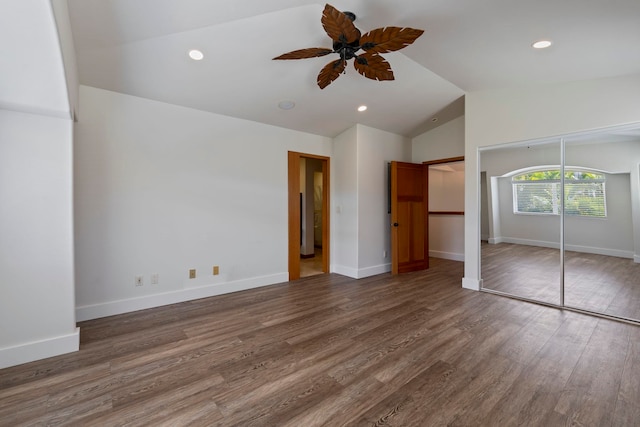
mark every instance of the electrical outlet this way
{"type": "Point", "coordinates": [139, 280]}
{"type": "Point", "coordinates": [192, 273]}
{"type": "Point", "coordinates": [155, 278]}
{"type": "Point", "coordinates": [216, 270]}
{"type": "Point", "coordinates": [384, 254]}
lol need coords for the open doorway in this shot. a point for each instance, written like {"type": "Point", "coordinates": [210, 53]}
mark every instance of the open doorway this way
{"type": "Point", "coordinates": [308, 215]}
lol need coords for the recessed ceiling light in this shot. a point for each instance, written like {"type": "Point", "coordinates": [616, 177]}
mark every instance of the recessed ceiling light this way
{"type": "Point", "coordinates": [542, 44]}
{"type": "Point", "coordinates": [286, 105]}
{"type": "Point", "coordinates": [196, 54]}
{"type": "Point", "coordinates": [362, 108]}
{"type": "Point", "coordinates": [434, 119]}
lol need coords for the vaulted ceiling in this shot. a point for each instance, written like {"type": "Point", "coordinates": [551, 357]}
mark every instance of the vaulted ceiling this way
{"type": "Point", "coordinates": [139, 47]}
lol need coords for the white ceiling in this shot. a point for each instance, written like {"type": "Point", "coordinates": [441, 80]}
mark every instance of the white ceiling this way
{"type": "Point", "coordinates": [139, 47]}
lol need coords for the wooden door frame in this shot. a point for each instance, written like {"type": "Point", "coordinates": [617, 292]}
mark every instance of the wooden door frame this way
{"type": "Point", "coordinates": [294, 211]}
{"type": "Point", "coordinates": [447, 160]}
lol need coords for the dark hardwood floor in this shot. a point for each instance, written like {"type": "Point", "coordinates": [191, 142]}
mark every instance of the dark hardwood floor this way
{"type": "Point", "coordinates": [409, 350]}
{"type": "Point", "coordinates": [599, 283]}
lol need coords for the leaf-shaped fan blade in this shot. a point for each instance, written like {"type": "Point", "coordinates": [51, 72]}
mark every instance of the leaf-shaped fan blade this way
{"type": "Point", "coordinates": [388, 39]}
{"type": "Point", "coordinates": [373, 66]}
{"type": "Point", "coordinates": [330, 72]}
{"type": "Point", "coordinates": [338, 26]}
{"type": "Point", "coordinates": [311, 52]}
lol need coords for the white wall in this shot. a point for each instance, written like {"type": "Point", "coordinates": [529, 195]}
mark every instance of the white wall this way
{"type": "Point", "coordinates": [446, 188]}
{"type": "Point", "coordinates": [36, 244]}
{"type": "Point", "coordinates": [344, 201]}
{"type": "Point", "coordinates": [36, 224]}
{"type": "Point", "coordinates": [376, 149]}
{"type": "Point", "coordinates": [67, 48]}
{"type": "Point", "coordinates": [446, 232]}
{"type": "Point", "coordinates": [32, 78]}
{"type": "Point", "coordinates": [161, 189]}
{"type": "Point", "coordinates": [443, 142]}
{"type": "Point", "coordinates": [361, 223]}
{"type": "Point", "coordinates": [532, 112]}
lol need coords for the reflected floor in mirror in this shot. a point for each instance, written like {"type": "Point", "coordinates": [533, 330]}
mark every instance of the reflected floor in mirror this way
{"type": "Point", "coordinates": [599, 283]}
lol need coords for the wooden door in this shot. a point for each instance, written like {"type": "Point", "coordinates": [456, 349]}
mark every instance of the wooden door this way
{"type": "Point", "coordinates": [409, 217]}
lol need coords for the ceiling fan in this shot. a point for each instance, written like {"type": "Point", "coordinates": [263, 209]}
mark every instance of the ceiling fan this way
{"type": "Point", "coordinates": [347, 41]}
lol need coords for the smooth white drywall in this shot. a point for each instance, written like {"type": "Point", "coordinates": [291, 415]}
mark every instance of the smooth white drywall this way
{"type": "Point", "coordinates": [344, 217]}
{"type": "Point", "coordinates": [446, 189]}
{"type": "Point", "coordinates": [446, 237]}
{"type": "Point", "coordinates": [376, 149]}
{"type": "Point", "coordinates": [444, 142]}
{"type": "Point", "coordinates": [37, 317]}
{"type": "Point", "coordinates": [67, 48]}
{"type": "Point", "coordinates": [161, 189]}
{"type": "Point", "coordinates": [532, 112]}
{"type": "Point", "coordinates": [31, 66]}
{"type": "Point", "coordinates": [361, 222]}
{"type": "Point", "coordinates": [446, 232]}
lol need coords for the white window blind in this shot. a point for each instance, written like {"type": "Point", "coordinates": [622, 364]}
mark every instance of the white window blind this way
{"type": "Point", "coordinates": [584, 194]}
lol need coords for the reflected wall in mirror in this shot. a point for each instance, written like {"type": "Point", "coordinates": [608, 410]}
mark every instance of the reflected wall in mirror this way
{"type": "Point", "coordinates": [521, 254]}
{"type": "Point", "coordinates": [602, 223]}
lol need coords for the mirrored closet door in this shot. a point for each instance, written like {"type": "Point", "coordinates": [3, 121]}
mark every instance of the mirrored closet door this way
{"type": "Point", "coordinates": [520, 255]}
{"type": "Point", "coordinates": [560, 221]}
{"type": "Point", "coordinates": [601, 202]}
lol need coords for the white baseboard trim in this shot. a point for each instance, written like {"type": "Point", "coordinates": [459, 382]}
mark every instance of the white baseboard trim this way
{"type": "Point", "coordinates": [447, 255]}
{"type": "Point", "coordinates": [636, 259]}
{"type": "Point", "coordinates": [112, 308]}
{"type": "Point", "coordinates": [529, 242]}
{"type": "Point", "coordinates": [494, 240]}
{"type": "Point", "coordinates": [473, 284]}
{"type": "Point", "coordinates": [345, 271]}
{"type": "Point", "coordinates": [356, 273]}
{"type": "Point", "coordinates": [575, 248]}
{"type": "Point", "coordinates": [29, 352]}
{"type": "Point", "coordinates": [600, 251]}
{"type": "Point", "coordinates": [374, 271]}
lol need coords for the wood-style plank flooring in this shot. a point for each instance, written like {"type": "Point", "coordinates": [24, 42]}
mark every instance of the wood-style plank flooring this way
{"type": "Point", "coordinates": [599, 283]}
{"type": "Point", "coordinates": [409, 350]}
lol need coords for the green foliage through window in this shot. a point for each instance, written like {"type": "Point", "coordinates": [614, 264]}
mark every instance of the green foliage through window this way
{"type": "Point", "coordinates": [540, 192]}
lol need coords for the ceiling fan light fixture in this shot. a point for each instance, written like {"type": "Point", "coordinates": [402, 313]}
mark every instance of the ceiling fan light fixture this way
{"type": "Point", "coordinates": [196, 54]}
{"type": "Point", "coordinates": [541, 44]}
{"type": "Point", "coordinates": [362, 108]}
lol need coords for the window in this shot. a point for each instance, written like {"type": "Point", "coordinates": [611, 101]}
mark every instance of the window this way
{"type": "Point", "coordinates": [538, 192]}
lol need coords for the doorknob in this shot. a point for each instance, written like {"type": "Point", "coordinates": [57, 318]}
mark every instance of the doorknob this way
{"type": "Point", "coordinates": [395, 224]}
